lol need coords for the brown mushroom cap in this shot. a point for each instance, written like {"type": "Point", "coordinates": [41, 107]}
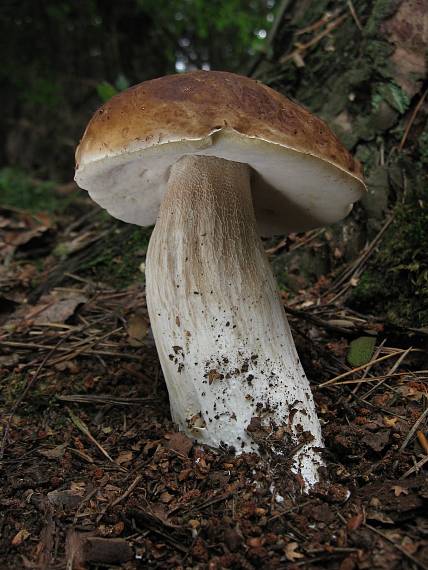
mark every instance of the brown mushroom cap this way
{"type": "Point", "coordinates": [304, 177]}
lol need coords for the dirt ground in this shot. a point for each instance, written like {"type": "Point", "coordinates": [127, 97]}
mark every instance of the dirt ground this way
{"type": "Point", "coordinates": [94, 474]}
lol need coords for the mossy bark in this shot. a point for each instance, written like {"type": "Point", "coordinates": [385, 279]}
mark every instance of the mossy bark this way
{"type": "Point", "coordinates": [366, 78]}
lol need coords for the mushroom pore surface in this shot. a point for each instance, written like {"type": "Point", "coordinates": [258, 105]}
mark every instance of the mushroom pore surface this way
{"type": "Point", "coordinates": [227, 354]}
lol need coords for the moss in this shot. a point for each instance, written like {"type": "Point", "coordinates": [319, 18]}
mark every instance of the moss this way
{"type": "Point", "coordinates": [18, 190]}
{"type": "Point", "coordinates": [396, 282]}
{"type": "Point", "coordinates": [423, 146]}
{"type": "Point", "coordinates": [120, 255]}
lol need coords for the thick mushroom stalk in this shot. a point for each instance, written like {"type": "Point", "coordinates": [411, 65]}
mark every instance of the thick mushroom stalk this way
{"type": "Point", "coordinates": [233, 374]}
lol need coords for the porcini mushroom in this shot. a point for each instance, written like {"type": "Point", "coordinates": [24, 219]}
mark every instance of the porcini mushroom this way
{"type": "Point", "coordinates": [215, 159]}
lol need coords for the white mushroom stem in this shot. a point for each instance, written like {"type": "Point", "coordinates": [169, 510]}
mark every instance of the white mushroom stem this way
{"type": "Point", "coordinates": [232, 371]}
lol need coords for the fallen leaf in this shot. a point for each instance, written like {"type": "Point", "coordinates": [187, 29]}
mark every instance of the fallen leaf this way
{"type": "Point", "coordinates": [291, 553]}
{"type": "Point", "coordinates": [377, 441]}
{"type": "Point", "coordinates": [54, 452]}
{"type": "Point", "coordinates": [355, 522]}
{"type": "Point", "coordinates": [389, 422]}
{"type": "Point", "coordinates": [83, 548]}
{"type": "Point", "coordinates": [9, 360]}
{"type": "Point", "coordinates": [255, 542]}
{"type": "Point", "coordinates": [66, 499]}
{"type": "Point", "coordinates": [166, 497]}
{"type": "Point", "coordinates": [20, 536]}
{"type": "Point", "coordinates": [58, 307]}
{"type": "Point", "coordinates": [409, 546]}
{"type": "Point", "coordinates": [124, 457]}
{"type": "Point", "coordinates": [180, 443]}
{"type": "Point", "coordinates": [398, 490]}
{"type": "Point", "coordinates": [379, 517]}
{"type": "Point", "coordinates": [361, 350]}
{"type": "Point", "coordinates": [184, 474]}
{"type": "Point", "coordinates": [375, 502]}
{"type": "Point", "coordinates": [137, 330]}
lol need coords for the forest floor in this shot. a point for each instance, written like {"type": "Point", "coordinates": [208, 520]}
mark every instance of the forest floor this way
{"type": "Point", "coordinates": [94, 474]}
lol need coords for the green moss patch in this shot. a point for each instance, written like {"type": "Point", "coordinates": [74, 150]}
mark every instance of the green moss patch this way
{"type": "Point", "coordinates": [396, 282]}
{"type": "Point", "coordinates": [19, 190]}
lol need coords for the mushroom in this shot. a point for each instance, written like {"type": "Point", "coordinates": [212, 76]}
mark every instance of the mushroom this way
{"type": "Point", "coordinates": [216, 159]}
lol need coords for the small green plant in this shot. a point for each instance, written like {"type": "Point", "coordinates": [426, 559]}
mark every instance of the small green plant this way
{"type": "Point", "coordinates": [106, 91]}
{"type": "Point", "coordinates": [361, 350]}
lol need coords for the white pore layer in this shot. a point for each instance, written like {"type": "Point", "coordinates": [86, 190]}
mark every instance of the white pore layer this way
{"type": "Point", "coordinates": [223, 340]}
{"type": "Point", "coordinates": [291, 191]}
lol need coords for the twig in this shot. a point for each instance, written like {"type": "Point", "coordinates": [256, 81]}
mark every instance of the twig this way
{"type": "Point", "coordinates": [27, 388]}
{"type": "Point", "coordinates": [275, 24]}
{"type": "Point", "coordinates": [354, 15]}
{"type": "Point", "coordinates": [104, 399]}
{"type": "Point", "coordinates": [314, 40]}
{"type": "Point", "coordinates": [413, 430]}
{"type": "Point", "coordinates": [128, 491]}
{"type": "Point", "coordinates": [254, 65]}
{"type": "Point", "coordinates": [333, 380]}
{"type": "Point", "coordinates": [318, 24]}
{"type": "Point", "coordinates": [412, 120]}
{"type": "Point", "coordinates": [307, 239]}
{"type": "Point", "coordinates": [379, 379]}
{"type": "Point", "coordinates": [390, 372]}
{"type": "Point", "coordinates": [86, 352]}
{"type": "Point", "coordinates": [415, 467]}
{"type": "Point", "coordinates": [94, 341]}
{"type": "Point", "coordinates": [288, 511]}
{"type": "Point", "coordinates": [322, 323]}
{"type": "Point", "coordinates": [356, 266]}
{"type": "Point", "coordinates": [398, 546]}
{"type": "Point", "coordinates": [81, 426]}
{"type": "Point", "coordinates": [121, 498]}
{"type": "Point", "coordinates": [367, 370]}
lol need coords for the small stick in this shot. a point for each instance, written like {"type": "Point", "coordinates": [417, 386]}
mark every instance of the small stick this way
{"type": "Point", "coordinates": [398, 546]}
{"type": "Point", "coordinates": [354, 15]}
{"type": "Point", "coordinates": [76, 352]}
{"type": "Point", "coordinates": [121, 498]}
{"type": "Point", "coordinates": [27, 388]}
{"type": "Point", "coordinates": [390, 372]}
{"type": "Point", "coordinates": [415, 467]}
{"type": "Point", "coordinates": [128, 491]}
{"type": "Point", "coordinates": [367, 370]}
{"type": "Point", "coordinates": [379, 378]}
{"type": "Point", "coordinates": [412, 120]}
{"type": "Point", "coordinates": [80, 424]}
{"type": "Point", "coordinates": [314, 40]}
{"type": "Point", "coordinates": [333, 380]}
{"type": "Point", "coordinates": [86, 352]}
{"type": "Point", "coordinates": [318, 24]}
{"type": "Point", "coordinates": [103, 399]}
{"type": "Point", "coordinates": [413, 430]}
{"type": "Point", "coordinates": [357, 265]}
